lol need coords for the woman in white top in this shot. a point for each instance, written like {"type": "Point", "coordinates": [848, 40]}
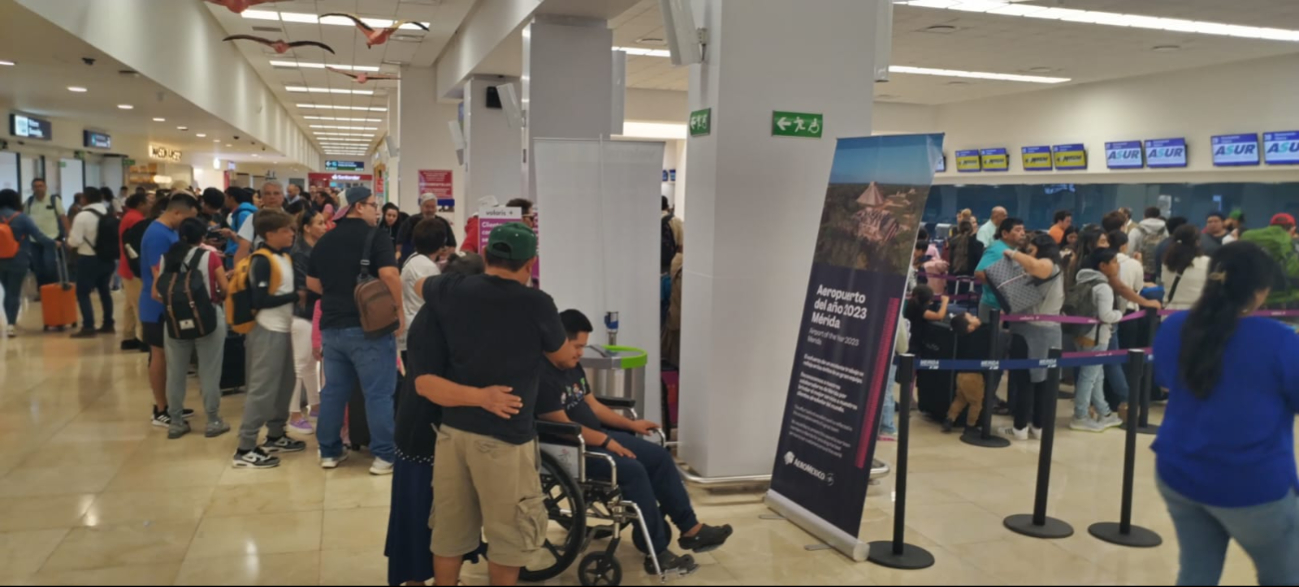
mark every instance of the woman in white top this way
{"type": "Point", "coordinates": [429, 238]}
{"type": "Point", "coordinates": [1185, 269]}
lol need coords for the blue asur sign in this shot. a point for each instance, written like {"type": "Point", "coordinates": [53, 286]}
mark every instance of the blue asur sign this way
{"type": "Point", "coordinates": [1123, 155]}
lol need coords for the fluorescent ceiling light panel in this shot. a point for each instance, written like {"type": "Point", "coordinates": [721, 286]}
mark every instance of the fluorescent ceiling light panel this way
{"type": "Point", "coordinates": [332, 107]}
{"type": "Point", "coordinates": [1008, 77]}
{"type": "Point", "coordinates": [1009, 8]}
{"type": "Point", "coordinates": [261, 14]}
{"type": "Point", "coordinates": [315, 90]}
{"type": "Point", "coordinates": [313, 65]}
{"type": "Point", "coordinates": [335, 127]}
{"type": "Point", "coordinates": [126, 107]}
{"type": "Point", "coordinates": [645, 52]}
{"type": "Point", "coordinates": [343, 119]}
{"type": "Point", "coordinates": [77, 89]}
{"type": "Point", "coordinates": [6, 63]}
{"type": "Point", "coordinates": [301, 17]}
{"type": "Point", "coordinates": [344, 134]}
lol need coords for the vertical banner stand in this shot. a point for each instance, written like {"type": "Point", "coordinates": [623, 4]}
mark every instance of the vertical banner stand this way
{"type": "Point", "coordinates": [1147, 386]}
{"type": "Point", "coordinates": [1124, 533]}
{"type": "Point", "coordinates": [983, 436]}
{"type": "Point", "coordinates": [896, 553]}
{"type": "Point", "coordinates": [1037, 524]}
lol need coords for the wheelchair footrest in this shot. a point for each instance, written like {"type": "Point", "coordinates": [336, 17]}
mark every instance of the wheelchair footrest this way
{"type": "Point", "coordinates": [600, 532]}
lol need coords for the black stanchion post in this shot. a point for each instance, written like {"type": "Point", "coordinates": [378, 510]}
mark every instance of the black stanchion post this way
{"type": "Point", "coordinates": [1037, 524]}
{"type": "Point", "coordinates": [1124, 533]}
{"type": "Point", "coordinates": [896, 553]}
{"type": "Point", "coordinates": [983, 436]}
{"type": "Point", "coordinates": [1147, 380]}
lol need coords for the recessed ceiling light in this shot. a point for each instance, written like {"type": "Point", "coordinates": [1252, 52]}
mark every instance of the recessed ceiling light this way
{"type": "Point", "coordinates": [182, 128]}
{"type": "Point", "coordinates": [1013, 8]}
{"type": "Point", "coordinates": [1009, 77]}
{"type": "Point", "coordinates": [77, 89]}
{"type": "Point", "coordinates": [644, 52]}
{"type": "Point", "coordinates": [256, 155]}
{"type": "Point", "coordinates": [313, 65]}
{"type": "Point", "coordinates": [126, 107]}
{"type": "Point", "coordinates": [227, 144]}
{"type": "Point", "coordinates": [160, 120]}
{"type": "Point", "coordinates": [7, 63]}
{"type": "Point", "coordinates": [201, 136]}
{"type": "Point", "coordinates": [216, 140]}
{"type": "Point", "coordinates": [1166, 48]}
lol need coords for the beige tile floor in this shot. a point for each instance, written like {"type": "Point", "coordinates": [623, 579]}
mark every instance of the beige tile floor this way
{"type": "Point", "coordinates": [90, 493]}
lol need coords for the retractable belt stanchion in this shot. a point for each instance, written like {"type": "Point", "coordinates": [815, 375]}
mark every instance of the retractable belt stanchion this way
{"type": "Point", "coordinates": [1150, 324]}
{"type": "Point", "coordinates": [1124, 533]}
{"type": "Point", "coordinates": [983, 436]}
{"type": "Point", "coordinates": [897, 554]}
{"type": "Point", "coordinates": [1037, 524]}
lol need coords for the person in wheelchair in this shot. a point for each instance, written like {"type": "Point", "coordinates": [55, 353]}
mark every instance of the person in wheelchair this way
{"type": "Point", "coordinates": [647, 475]}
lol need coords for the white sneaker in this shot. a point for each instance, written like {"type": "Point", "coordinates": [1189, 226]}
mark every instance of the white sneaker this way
{"type": "Point", "coordinates": [380, 467]}
{"type": "Point", "coordinates": [1035, 432]}
{"type": "Point", "coordinates": [1110, 421]}
{"type": "Point", "coordinates": [333, 462]}
{"type": "Point", "coordinates": [10, 332]}
{"type": "Point", "coordinates": [1016, 433]}
{"type": "Point", "coordinates": [1085, 425]}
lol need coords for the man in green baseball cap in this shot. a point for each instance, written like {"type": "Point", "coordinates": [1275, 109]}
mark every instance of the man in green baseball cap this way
{"type": "Point", "coordinates": [476, 349]}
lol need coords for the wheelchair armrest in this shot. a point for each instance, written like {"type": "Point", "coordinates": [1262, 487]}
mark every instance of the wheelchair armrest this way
{"type": "Point", "coordinates": [566, 430]}
{"type": "Point", "coordinates": [625, 403]}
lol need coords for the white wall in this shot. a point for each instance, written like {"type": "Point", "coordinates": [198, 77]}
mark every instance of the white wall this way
{"type": "Point", "coordinates": [1252, 96]}
{"type": "Point", "coordinates": [425, 141]}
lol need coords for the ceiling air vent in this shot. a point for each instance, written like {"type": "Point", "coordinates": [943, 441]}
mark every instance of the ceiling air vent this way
{"type": "Point", "coordinates": [268, 29]}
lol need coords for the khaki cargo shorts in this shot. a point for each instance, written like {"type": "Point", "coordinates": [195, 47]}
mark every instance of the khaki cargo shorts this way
{"type": "Point", "coordinates": [484, 486]}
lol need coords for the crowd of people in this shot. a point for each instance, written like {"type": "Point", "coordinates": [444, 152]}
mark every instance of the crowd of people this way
{"type": "Point", "coordinates": [263, 283]}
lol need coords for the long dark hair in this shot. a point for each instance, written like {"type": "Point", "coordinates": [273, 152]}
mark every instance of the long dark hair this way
{"type": "Point", "coordinates": [1184, 248]}
{"type": "Point", "coordinates": [191, 232]}
{"type": "Point", "coordinates": [1237, 273]}
{"type": "Point", "coordinates": [1047, 248]}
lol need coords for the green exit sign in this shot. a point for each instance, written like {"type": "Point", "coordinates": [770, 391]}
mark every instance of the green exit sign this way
{"type": "Point", "coordinates": [701, 122]}
{"type": "Point", "coordinates": [797, 124]}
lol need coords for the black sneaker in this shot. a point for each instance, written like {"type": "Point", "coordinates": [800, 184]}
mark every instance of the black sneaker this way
{"type": "Point", "coordinates": [255, 459]}
{"type": "Point", "coordinates": [187, 413]}
{"type": "Point", "coordinates": [161, 419]}
{"type": "Point", "coordinates": [672, 564]}
{"type": "Point", "coordinates": [708, 539]}
{"type": "Point", "coordinates": [131, 345]}
{"type": "Point", "coordinates": [107, 329]}
{"type": "Point", "coordinates": [283, 444]}
{"type": "Point", "coordinates": [947, 426]}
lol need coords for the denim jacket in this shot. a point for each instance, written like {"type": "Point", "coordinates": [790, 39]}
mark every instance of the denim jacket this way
{"type": "Point", "coordinates": [25, 231]}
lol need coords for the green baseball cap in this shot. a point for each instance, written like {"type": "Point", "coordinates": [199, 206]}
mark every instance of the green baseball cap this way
{"type": "Point", "coordinates": [513, 241]}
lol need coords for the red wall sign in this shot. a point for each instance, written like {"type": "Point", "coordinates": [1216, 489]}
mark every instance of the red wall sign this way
{"type": "Point", "coordinates": [438, 182]}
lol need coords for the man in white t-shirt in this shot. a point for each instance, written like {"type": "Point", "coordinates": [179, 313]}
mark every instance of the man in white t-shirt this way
{"type": "Point", "coordinates": [430, 236]}
{"type": "Point", "coordinates": [93, 271]}
{"type": "Point", "coordinates": [272, 199]}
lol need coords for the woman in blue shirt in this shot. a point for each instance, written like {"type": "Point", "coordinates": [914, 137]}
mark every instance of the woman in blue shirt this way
{"type": "Point", "coordinates": [1226, 450]}
{"type": "Point", "coordinates": [14, 269]}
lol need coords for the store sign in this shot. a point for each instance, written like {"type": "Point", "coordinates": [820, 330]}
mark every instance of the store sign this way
{"type": "Point", "coordinates": [797, 124]}
{"type": "Point", "coordinates": [701, 122]}
{"type": "Point", "coordinates": [165, 154]}
{"type": "Point", "coordinates": [28, 127]}
{"type": "Point", "coordinates": [342, 177]}
{"type": "Point", "coordinates": [97, 140]}
{"type": "Point", "coordinates": [871, 214]}
{"type": "Point", "coordinates": [438, 184]}
{"type": "Point", "coordinates": [995, 159]}
{"type": "Point", "coordinates": [1071, 157]}
{"type": "Point", "coordinates": [1123, 155]}
{"type": "Point", "coordinates": [332, 165]}
{"type": "Point", "coordinates": [1235, 150]}
{"type": "Point", "coordinates": [968, 161]}
{"type": "Point", "coordinates": [490, 218]}
{"type": "Point", "coordinates": [1164, 153]}
{"type": "Point", "coordinates": [1037, 158]}
{"type": "Point", "coordinates": [1281, 148]}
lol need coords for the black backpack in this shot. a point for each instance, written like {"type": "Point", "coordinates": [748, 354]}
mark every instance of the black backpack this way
{"type": "Point", "coordinates": [190, 312]}
{"type": "Point", "coordinates": [106, 238]}
{"type": "Point", "coordinates": [667, 244]}
{"type": "Point", "coordinates": [133, 242]}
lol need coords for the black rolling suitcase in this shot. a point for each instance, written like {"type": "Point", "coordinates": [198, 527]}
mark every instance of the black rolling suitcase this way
{"type": "Point", "coordinates": [934, 389]}
{"type": "Point", "coordinates": [234, 365]}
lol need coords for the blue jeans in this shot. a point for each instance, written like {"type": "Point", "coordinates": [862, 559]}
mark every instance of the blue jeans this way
{"type": "Point", "coordinates": [652, 482]}
{"type": "Point", "coordinates": [349, 357]}
{"type": "Point", "coordinates": [94, 273]}
{"type": "Point", "coordinates": [888, 416]}
{"type": "Point", "coordinates": [1116, 376]}
{"type": "Point", "coordinates": [43, 263]}
{"type": "Point", "coordinates": [11, 279]}
{"type": "Point", "coordinates": [1090, 390]}
{"type": "Point", "coordinates": [1269, 533]}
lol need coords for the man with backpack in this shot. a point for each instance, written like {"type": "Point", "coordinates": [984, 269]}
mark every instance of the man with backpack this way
{"type": "Point", "coordinates": [158, 238]}
{"type": "Point", "coordinates": [137, 210]}
{"type": "Point", "coordinates": [47, 212]}
{"type": "Point", "coordinates": [94, 236]}
{"type": "Point", "coordinates": [1278, 240]}
{"type": "Point", "coordinates": [1145, 239]}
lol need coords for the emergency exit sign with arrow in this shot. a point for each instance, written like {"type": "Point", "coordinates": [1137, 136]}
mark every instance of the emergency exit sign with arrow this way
{"type": "Point", "coordinates": [797, 124]}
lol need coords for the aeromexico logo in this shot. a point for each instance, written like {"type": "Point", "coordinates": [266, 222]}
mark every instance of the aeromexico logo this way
{"type": "Point", "coordinates": [792, 461]}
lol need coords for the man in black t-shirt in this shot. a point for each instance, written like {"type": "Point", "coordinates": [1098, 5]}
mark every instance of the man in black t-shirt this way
{"type": "Point", "coordinates": [647, 474]}
{"type": "Point", "coordinates": [489, 335]}
{"type": "Point", "coordinates": [349, 355]}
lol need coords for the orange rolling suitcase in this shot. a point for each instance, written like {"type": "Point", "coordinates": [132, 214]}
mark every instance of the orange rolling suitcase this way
{"type": "Point", "coordinates": [59, 300]}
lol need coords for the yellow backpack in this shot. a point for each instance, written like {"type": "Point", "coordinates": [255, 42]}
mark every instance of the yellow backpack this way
{"type": "Point", "coordinates": [239, 300]}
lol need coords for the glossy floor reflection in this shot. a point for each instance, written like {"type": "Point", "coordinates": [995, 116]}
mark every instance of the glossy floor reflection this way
{"type": "Point", "coordinates": [90, 493]}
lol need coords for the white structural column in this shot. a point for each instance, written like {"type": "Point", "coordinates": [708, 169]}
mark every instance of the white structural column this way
{"type": "Point", "coordinates": [424, 140]}
{"type": "Point", "coordinates": [755, 204]}
{"type": "Point", "coordinates": [567, 80]}
{"type": "Point", "coordinates": [494, 152]}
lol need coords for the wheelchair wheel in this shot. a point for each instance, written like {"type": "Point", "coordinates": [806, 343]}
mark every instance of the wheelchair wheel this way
{"type": "Point", "coordinates": [566, 532]}
{"type": "Point", "coordinates": [599, 568]}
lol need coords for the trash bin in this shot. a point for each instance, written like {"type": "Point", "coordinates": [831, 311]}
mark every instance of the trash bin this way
{"type": "Point", "coordinates": [617, 371]}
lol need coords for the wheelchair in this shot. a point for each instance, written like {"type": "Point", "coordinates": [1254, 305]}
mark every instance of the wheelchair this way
{"type": "Point", "coordinates": [573, 502]}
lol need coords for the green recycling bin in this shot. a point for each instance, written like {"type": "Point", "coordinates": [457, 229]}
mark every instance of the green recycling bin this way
{"type": "Point", "coordinates": [617, 371]}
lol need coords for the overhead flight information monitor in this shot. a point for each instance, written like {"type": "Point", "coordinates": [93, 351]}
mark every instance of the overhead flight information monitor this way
{"type": "Point", "coordinates": [1235, 150]}
{"type": "Point", "coordinates": [968, 161]}
{"type": "Point", "coordinates": [1037, 158]}
{"type": "Point", "coordinates": [995, 159]}
{"type": "Point", "coordinates": [1123, 155]}
{"type": "Point", "coordinates": [1163, 153]}
{"type": "Point", "coordinates": [1281, 148]}
{"type": "Point", "coordinates": [1070, 157]}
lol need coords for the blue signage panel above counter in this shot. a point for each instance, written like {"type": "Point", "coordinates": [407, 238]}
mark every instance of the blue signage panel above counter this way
{"type": "Point", "coordinates": [1235, 150]}
{"type": "Point", "coordinates": [1281, 148]}
{"type": "Point", "coordinates": [97, 140]}
{"type": "Point", "coordinates": [1163, 153]}
{"type": "Point", "coordinates": [1123, 155]}
{"type": "Point", "coordinates": [27, 127]}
